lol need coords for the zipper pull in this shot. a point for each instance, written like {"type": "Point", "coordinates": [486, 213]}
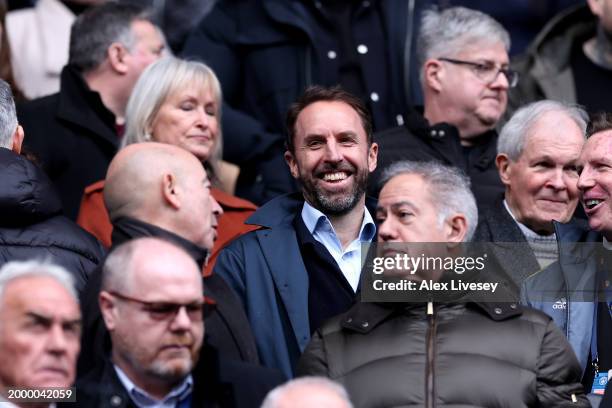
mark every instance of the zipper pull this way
{"type": "Point", "coordinates": [430, 309]}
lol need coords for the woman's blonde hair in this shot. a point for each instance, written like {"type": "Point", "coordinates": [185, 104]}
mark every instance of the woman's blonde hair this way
{"type": "Point", "coordinates": [155, 85]}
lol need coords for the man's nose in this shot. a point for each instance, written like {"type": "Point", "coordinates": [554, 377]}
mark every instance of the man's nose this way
{"type": "Point", "coordinates": [332, 152]}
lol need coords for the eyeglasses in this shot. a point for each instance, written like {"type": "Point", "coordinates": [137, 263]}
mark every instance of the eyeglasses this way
{"type": "Point", "coordinates": [487, 71]}
{"type": "Point", "coordinates": [163, 311]}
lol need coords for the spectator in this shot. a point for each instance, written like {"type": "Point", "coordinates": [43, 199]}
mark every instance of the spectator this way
{"type": "Point", "coordinates": [152, 304]}
{"type": "Point", "coordinates": [176, 102]}
{"type": "Point", "coordinates": [455, 353]}
{"type": "Point", "coordinates": [39, 38]}
{"type": "Point", "coordinates": [176, 17]}
{"type": "Point", "coordinates": [308, 392]}
{"type": "Point", "coordinates": [31, 224]}
{"type": "Point", "coordinates": [267, 52]}
{"type": "Point", "coordinates": [74, 132]}
{"type": "Point", "coordinates": [570, 59]}
{"type": "Point", "coordinates": [465, 78]}
{"type": "Point", "coordinates": [537, 157]}
{"type": "Point", "coordinates": [309, 246]}
{"type": "Point", "coordinates": [573, 291]}
{"type": "Point", "coordinates": [172, 202]}
{"type": "Point", "coordinates": [40, 328]}
{"type": "Point", "coordinates": [6, 68]}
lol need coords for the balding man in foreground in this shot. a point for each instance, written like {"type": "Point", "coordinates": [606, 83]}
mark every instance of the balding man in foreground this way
{"type": "Point", "coordinates": [307, 392]}
{"type": "Point", "coordinates": [40, 328]}
{"type": "Point", "coordinates": [160, 190]}
{"type": "Point", "coordinates": [152, 304]}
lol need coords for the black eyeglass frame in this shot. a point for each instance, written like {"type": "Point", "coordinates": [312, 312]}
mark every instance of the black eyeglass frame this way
{"type": "Point", "coordinates": [169, 310]}
{"type": "Point", "coordinates": [512, 76]}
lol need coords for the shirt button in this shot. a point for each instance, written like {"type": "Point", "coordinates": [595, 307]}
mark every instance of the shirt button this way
{"type": "Point", "coordinates": [374, 97]}
{"type": "Point", "coordinates": [362, 49]}
{"type": "Point", "coordinates": [331, 54]}
{"type": "Point", "coordinates": [115, 400]}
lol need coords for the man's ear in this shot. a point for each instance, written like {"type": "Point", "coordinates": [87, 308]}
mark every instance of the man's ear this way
{"type": "Point", "coordinates": [502, 161]}
{"type": "Point", "coordinates": [117, 54]}
{"type": "Point", "coordinates": [433, 73]}
{"type": "Point", "coordinates": [108, 309]}
{"type": "Point", "coordinates": [293, 167]}
{"type": "Point", "coordinates": [17, 140]}
{"type": "Point", "coordinates": [456, 228]}
{"type": "Point", "coordinates": [372, 157]}
{"type": "Point", "coordinates": [170, 191]}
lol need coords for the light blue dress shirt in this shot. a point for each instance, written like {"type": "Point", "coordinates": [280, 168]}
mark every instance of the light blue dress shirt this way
{"type": "Point", "coordinates": [143, 400]}
{"type": "Point", "coordinates": [349, 259]}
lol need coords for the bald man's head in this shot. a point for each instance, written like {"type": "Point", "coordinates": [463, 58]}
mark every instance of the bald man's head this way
{"type": "Point", "coordinates": [163, 185]}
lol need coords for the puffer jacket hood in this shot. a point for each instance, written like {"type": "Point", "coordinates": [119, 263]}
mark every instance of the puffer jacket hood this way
{"type": "Point", "coordinates": [27, 195]}
{"type": "Point", "coordinates": [31, 223]}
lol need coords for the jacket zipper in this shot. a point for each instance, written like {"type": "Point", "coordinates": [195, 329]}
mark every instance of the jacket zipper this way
{"type": "Point", "coordinates": [429, 369]}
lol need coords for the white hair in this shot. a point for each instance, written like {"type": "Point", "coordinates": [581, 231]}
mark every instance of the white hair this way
{"type": "Point", "coordinates": [14, 270]}
{"type": "Point", "coordinates": [448, 186]}
{"type": "Point", "coordinates": [513, 136]}
{"type": "Point", "coordinates": [446, 33]}
{"type": "Point", "coordinates": [274, 397]}
{"type": "Point", "coordinates": [8, 115]}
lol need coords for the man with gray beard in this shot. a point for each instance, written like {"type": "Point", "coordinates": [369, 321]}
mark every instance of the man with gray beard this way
{"type": "Point", "coordinates": [303, 266]}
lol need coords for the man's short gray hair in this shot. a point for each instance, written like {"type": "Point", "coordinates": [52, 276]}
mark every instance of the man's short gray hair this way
{"type": "Point", "coordinates": [447, 32]}
{"type": "Point", "coordinates": [8, 115]}
{"type": "Point", "coordinates": [94, 31]}
{"type": "Point", "coordinates": [274, 397]}
{"type": "Point", "coordinates": [157, 82]}
{"type": "Point", "coordinates": [449, 188]}
{"type": "Point", "coordinates": [14, 270]}
{"type": "Point", "coordinates": [514, 134]}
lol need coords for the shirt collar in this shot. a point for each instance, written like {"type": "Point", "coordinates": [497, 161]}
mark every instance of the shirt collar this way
{"type": "Point", "coordinates": [528, 232]}
{"type": "Point", "coordinates": [316, 221]}
{"type": "Point", "coordinates": [142, 399]}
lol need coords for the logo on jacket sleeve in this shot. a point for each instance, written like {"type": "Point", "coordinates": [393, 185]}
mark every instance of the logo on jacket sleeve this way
{"type": "Point", "coordinates": [560, 304]}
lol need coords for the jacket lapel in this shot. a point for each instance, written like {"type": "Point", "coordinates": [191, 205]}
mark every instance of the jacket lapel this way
{"type": "Point", "coordinates": [284, 260]}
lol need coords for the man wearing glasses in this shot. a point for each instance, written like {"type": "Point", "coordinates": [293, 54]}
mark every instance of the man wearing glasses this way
{"type": "Point", "coordinates": [152, 305]}
{"type": "Point", "coordinates": [465, 79]}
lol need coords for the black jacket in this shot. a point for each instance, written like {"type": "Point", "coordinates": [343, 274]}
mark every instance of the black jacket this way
{"type": "Point", "coordinates": [417, 140]}
{"type": "Point", "coordinates": [227, 330]}
{"type": "Point", "coordinates": [73, 135]}
{"type": "Point", "coordinates": [460, 355]}
{"type": "Point", "coordinates": [31, 224]}
{"type": "Point", "coordinates": [265, 53]}
{"type": "Point", "coordinates": [217, 383]}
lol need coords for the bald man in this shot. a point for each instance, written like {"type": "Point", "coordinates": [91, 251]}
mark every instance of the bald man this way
{"type": "Point", "coordinates": [152, 305]}
{"type": "Point", "coordinates": [160, 190]}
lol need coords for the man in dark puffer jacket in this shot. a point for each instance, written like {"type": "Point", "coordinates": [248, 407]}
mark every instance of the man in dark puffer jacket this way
{"type": "Point", "coordinates": [31, 224]}
{"type": "Point", "coordinates": [448, 354]}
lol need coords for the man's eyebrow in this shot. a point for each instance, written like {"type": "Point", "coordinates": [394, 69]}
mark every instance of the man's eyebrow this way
{"type": "Point", "coordinates": [399, 204]}
{"type": "Point", "coordinates": [49, 320]}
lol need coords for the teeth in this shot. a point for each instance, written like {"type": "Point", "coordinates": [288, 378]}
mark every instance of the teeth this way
{"type": "Point", "coordinates": [334, 176]}
{"type": "Point", "coordinates": [592, 203]}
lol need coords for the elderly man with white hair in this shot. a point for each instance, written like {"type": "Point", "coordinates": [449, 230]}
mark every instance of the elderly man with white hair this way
{"type": "Point", "coordinates": [40, 329]}
{"type": "Point", "coordinates": [447, 353]}
{"type": "Point", "coordinates": [537, 159]}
